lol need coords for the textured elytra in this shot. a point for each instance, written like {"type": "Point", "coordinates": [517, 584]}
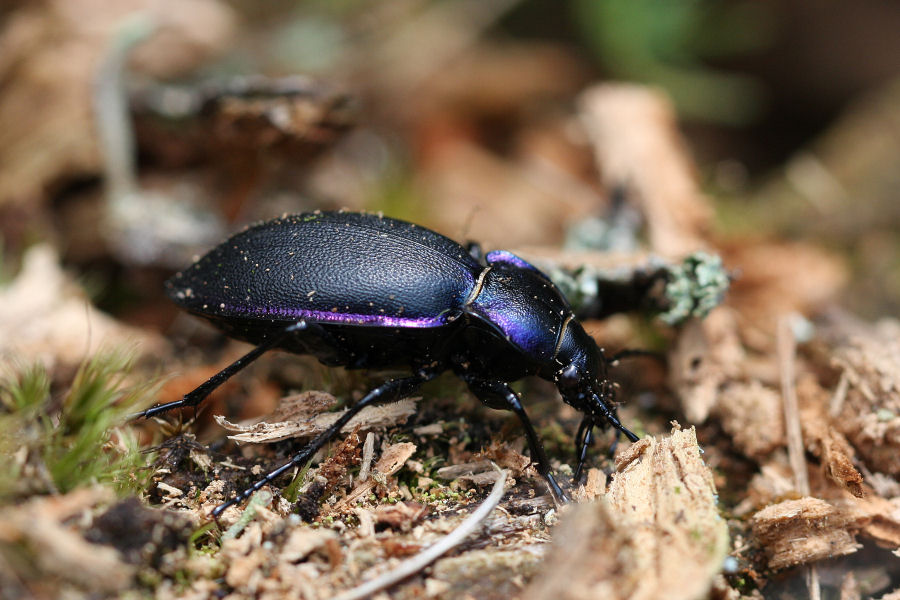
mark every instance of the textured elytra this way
{"type": "Point", "coordinates": [331, 267]}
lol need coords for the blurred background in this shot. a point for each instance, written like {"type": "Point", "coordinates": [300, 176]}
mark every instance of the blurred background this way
{"type": "Point", "coordinates": [137, 134]}
{"type": "Point", "coordinates": [462, 115]}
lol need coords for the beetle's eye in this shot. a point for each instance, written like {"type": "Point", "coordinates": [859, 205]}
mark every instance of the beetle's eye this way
{"type": "Point", "coordinates": [569, 376]}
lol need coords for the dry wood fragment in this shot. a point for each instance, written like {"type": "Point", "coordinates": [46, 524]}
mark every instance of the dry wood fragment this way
{"type": "Point", "coordinates": [751, 415]}
{"type": "Point", "coordinates": [401, 516]}
{"type": "Point", "coordinates": [869, 415]}
{"type": "Point", "coordinates": [303, 541]}
{"type": "Point", "coordinates": [301, 419]}
{"type": "Point", "coordinates": [637, 144]}
{"type": "Point", "coordinates": [462, 469]}
{"type": "Point", "coordinates": [393, 457]}
{"type": "Point", "coordinates": [803, 531]}
{"type": "Point", "coordinates": [704, 356]}
{"type": "Point", "coordinates": [823, 439]}
{"type": "Point", "coordinates": [657, 534]}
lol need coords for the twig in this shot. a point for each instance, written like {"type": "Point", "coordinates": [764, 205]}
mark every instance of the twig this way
{"type": "Point", "coordinates": [368, 455]}
{"type": "Point", "coordinates": [433, 552]}
{"type": "Point", "coordinates": [787, 349]}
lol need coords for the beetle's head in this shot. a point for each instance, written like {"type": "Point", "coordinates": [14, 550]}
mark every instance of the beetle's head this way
{"type": "Point", "coordinates": [583, 382]}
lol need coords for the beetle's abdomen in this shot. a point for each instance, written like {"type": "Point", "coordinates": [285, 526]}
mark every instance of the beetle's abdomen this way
{"type": "Point", "coordinates": [331, 267]}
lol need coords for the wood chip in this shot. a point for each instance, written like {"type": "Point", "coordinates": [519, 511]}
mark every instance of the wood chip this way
{"type": "Point", "coordinates": [752, 416]}
{"type": "Point", "coordinates": [298, 422]}
{"type": "Point", "coordinates": [303, 541]}
{"type": "Point", "coordinates": [869, 417]}
{"type": "Point", "coordinates": [702, 359]}
{"type": "Point", "coordinates": [392, 458]}
{"type": "Point", "coordinates": [658, 534]}
{"type": "Point", "coordinates": [796, 532]}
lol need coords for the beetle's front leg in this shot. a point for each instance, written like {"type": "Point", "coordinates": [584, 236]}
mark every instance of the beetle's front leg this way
{"type": "Point", "coordinates": [498, 394]}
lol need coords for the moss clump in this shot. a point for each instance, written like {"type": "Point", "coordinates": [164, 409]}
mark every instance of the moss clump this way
{"type": "Point", "coordinates": [54, 443]}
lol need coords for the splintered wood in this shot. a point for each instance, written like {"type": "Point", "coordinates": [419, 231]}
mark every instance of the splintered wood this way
{"type": "Point", "coordinates": [302, 416]}
{"type": "Point", "coordinates": [657, 533]}
{"type": "Point", "coordinates": [868, 411]}
{"type": "Point", "coordinates": [802, 531]}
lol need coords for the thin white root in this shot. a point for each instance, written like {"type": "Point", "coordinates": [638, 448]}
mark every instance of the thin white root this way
{"type": "Point", "coordinates": [433, 552]}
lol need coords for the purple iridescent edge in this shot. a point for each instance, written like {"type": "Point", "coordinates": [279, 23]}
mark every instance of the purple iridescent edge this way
{"type": "Point", "coordinates": [505, 256]}
{"type": "Point", "coordinates": [531, 342]}
{"type": "Point", "coordinates": [321, 316]}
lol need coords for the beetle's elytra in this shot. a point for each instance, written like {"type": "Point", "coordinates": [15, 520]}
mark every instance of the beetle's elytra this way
{"type": "Point", "coordinates": [365, 291]}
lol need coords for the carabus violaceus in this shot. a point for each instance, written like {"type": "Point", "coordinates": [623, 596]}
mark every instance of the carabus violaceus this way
{"type": "Point", "coordinates": [364, 291]}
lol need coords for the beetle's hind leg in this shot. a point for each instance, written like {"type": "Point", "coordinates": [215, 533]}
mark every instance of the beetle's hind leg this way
{"type": "Point", "coordinates": [498, 394]}
{"type": "Point", "coordinates": [388, 391]}
{"type": "Point", "coordinates": [199, 394]}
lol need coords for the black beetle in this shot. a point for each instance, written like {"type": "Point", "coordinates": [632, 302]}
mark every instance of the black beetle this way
{"type": "Point", "coordinates": [365, 291]}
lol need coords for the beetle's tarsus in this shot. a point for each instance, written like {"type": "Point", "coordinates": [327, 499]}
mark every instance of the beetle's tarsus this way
{"type": "Point", "coordinates": [559, 496]}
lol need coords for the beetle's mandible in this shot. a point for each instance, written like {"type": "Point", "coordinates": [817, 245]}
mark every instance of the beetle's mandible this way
{"type": "Point", "coordinates": [365, 291]}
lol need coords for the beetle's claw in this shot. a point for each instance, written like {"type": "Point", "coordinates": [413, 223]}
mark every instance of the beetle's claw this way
{"type": "Point", "coordinates": [559, 496]}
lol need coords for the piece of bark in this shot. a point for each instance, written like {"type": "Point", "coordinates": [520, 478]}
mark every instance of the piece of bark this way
{"type": "Point", "coordinates": [822, 438]}
{"type": "Point", "coordinates": [657, 533]}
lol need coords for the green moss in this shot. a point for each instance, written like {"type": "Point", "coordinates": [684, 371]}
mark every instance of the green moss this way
{"type": "Point", "coordinates": [58, 442]}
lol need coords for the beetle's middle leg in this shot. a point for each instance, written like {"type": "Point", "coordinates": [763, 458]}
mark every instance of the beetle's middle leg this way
{"type": "Point", "coordinates": [388, 391]}
{"type": "Point", "coordinates": [498, 394]}
{"type": "Point", "coordinates": [199, 394]}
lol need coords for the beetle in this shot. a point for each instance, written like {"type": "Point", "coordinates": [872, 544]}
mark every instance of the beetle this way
{"type": "Point", "coordinates": [361, 290]}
